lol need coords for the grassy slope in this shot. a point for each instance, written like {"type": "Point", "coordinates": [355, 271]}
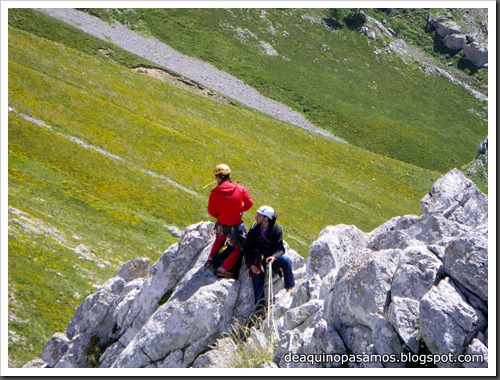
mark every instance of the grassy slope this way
{"type": "Point", "coordinates": [103, 211]}
{"type": "Point", "coordinates": [334, 78]}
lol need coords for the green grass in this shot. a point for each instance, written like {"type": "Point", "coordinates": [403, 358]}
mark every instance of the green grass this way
{"type": "Point", "coordinates": [250, 352]}
{"type": "Point", "coordinates": [47, 27]}
{"type": "Point", "coordinates": [50, 282]}
{"type": "Point", "coordinates": [93, 212]}
{"type": "Point", "coordinates": [379, 104]}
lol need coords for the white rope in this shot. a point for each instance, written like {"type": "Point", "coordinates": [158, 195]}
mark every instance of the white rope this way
{"type": "Point", "coordinates": [208, 184]}
{"type": "Point", "coordinates": [270, 308]}
{"type": "Point", "coordinates": [269, 293]}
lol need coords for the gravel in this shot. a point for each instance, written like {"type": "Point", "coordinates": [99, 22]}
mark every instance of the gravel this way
{"type": "Point", "coordinates": [198, 71]}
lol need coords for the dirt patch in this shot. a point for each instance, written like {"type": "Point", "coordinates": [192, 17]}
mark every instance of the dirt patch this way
{"type": "Point", "coordinates": [181, 82]}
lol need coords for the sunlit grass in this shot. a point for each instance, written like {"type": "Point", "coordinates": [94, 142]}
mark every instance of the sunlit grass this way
{"type": "Point", "coordinates": [376, 102]}
{"type": "Point", "coordinates": [102, 210]}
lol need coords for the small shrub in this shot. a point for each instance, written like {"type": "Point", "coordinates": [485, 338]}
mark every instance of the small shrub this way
{"type": "Point", "coordinates": [165, 298]}
{"type": "Point", "coordinates": [250, 353]}
{"type": "Point", "coordinates": [96, 350]}
{"type": "Point", "coordinates": [337, 17]}
{"type": "Point", "coordinates": [94, 353]}
{"type": "Point", "coordinates": [355, 19]}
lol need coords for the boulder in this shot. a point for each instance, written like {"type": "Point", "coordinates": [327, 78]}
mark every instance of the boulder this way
{"type": "Point", "coordinates": [392, 234]}
{"type": "Point", "coordinates": [223, 355]}
{"type": "Point", "coordinates": [363, 290]}
{"type": "Point", "coordinates": [455, 41]}
{"type": "Point", "coordinates": [456, 198]}
{"type": "Point", "coordinates": [418, 271]}
{"type": "Point", "coordinates": [478, 352]}
{"type": "Point", "coordinates": [164, 276]}
{"type": "Point", "coordinates": [55, 348]}
{"type": "Point", "coordinates": [447, 322]}
{"type": "Point", "coordinates": [477, 53]}
{"type": "Point", "coordinates": [334, 246]}
{"type": "Point", "coordinates": [185, 326]}
{"type": "Point", "coordinates": [466, 261]}
{"type": "Point", "coordinates": [443, 26]}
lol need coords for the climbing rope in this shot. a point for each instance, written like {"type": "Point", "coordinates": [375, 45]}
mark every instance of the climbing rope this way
{"type": "Point", "coordinates": [269, 293]}
{"type": "Point", "coordinates": [270, 309]}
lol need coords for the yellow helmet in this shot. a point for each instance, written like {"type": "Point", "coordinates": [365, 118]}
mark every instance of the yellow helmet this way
{"type": "Point", "coordinates": [222, 169]}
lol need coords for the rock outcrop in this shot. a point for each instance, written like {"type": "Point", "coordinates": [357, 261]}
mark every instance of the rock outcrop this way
{"type": "Point", "coordinates": [479, 166]}
{"type": "Point", "coordinates": [415, 286]}
{"type": "Point", "coordinates": [469, 36]}
{"type": "Point", "coordinates": [473, 40]}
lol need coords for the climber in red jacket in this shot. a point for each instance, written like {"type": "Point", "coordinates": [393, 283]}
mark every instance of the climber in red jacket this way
{"type": "Point", "coordinates": [226, 203]}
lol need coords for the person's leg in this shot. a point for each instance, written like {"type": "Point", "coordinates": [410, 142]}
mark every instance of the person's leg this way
{"type": "Point", "coordinates": [285, 263]}
{"type": "Point", "coordinates": [232, 259]}
{"type": "Point", "coordinates": [218, 243]}
{"type": "Point", "coordinates": [258, 282]}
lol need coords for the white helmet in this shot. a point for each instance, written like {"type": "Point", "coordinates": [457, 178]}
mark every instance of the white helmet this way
{"type": "Point", "coordinates": [267, 211]}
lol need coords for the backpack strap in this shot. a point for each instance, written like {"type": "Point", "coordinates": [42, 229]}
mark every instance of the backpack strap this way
{"type": "Point", "coordinates": [262, 233]}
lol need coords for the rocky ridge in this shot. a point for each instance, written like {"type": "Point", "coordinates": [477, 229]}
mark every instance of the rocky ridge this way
{"type": "Point", "coordinates": [413, 287]}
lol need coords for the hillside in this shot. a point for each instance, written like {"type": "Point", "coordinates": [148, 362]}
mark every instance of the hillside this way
{"type": "Point", "coordinates": [102, 159]}
{"type": "Point", "coordinates": [359, 89]}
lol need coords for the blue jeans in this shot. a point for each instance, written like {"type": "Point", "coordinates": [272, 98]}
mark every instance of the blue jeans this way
{"type": "Point", "coordinates": [259, 280]}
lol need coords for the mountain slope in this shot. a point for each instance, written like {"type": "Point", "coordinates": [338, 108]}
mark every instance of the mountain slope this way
{"type": "Point", "coordinates": [101, 158]}
{"type": "Point", "coordinates": [380, 102]}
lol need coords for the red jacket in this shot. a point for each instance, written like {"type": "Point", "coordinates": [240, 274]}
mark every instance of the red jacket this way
{"type": "Point", "coordinates": [228, 201]}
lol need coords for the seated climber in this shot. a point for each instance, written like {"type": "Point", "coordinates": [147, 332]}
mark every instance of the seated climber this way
{"type": "Point", "coordinates": [264, 245]}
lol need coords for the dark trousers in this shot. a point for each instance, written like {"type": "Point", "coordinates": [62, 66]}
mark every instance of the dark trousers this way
{"type": "Point", "coordinates": [259, 280]}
